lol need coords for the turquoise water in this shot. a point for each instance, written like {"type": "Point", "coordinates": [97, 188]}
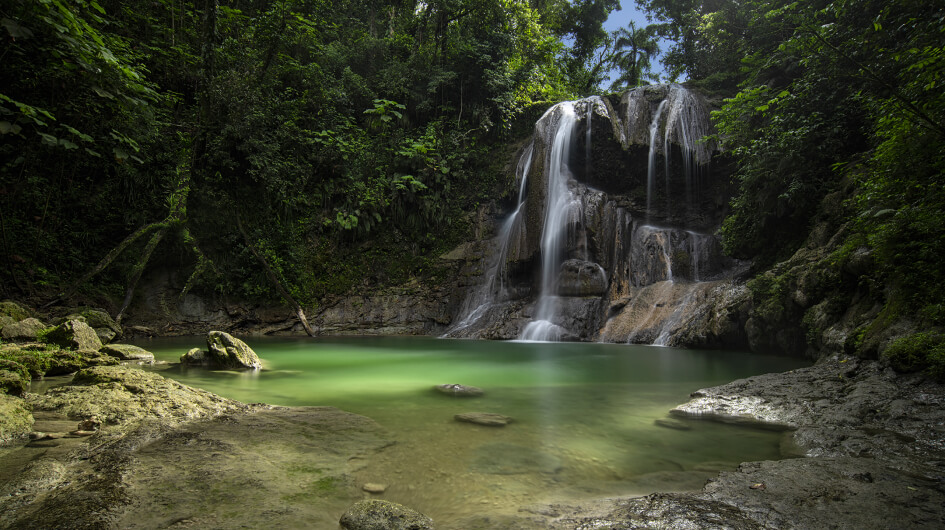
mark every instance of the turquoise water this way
{"type": "Point", "coordinates": [584, 415]}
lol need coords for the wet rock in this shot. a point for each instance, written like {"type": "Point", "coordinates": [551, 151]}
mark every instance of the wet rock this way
{"type": "Point", "coordinates": [581, 278]}
{"type": "Point", "coordinates": [76, 335]}
{"type": "Point", "coordinates": [488, 419]}
{"type": "Point", "coordinates": [16, 421]}
{"type": "Point", "coordinates": [195, 356]}
{"type": "Point", "coordinates": [372, 487]}
{"type": "Point", "coordinates": [128, 352]}
{"type": "Point", "coordinates": [384, 515]}
{"type": "Point", "coordinates": [38, 476]}
{"type": "Point", "coordinates": [24, 330]}
{"type": "Point", "coordinates": [227, 352]}
{"type": "Point", "coordinates": [456, 390]}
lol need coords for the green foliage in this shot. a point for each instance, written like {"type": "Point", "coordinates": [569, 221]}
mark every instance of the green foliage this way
{"type": "Point", "coordinates": [923, 351]}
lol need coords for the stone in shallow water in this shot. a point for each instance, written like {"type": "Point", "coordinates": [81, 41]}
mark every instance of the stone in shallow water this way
{"type": "Point", "coordinates": [373, 487]}
{"type": "Point", "coordinates": [459, 390]}
{"type": "Point", "coordinates": [128, 352]}
{"type": "Point", "coordinates": [488, 419]}
{"type": "Point", "coordinates": [509, 459]}
{"type": "Point", "coordinates": [384, 515]}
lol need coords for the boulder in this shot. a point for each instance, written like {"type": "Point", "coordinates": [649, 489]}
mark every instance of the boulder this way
{"type": "Point", "coordinates": [104, 325]}
{"type": "Point", "coordinates": [13, 310]}
{"type": "Point", "coordinates": [489, 419]}
{"type": "Point", "coordinates": [14, 377]}
{"type": "Point", "coordinates": [226, 351]}
{"type": "Point", "coordinates": [128, 352]}
{"type": "Point", "coordinates": [63, 362]}
{"type": "Point", "coordinates": [384, 515]}
{"type": "Point", "coordinates": [16, 422]}
{"type": "Point", "coordinates": [455, 390]}
{"type": "Point", "coordinates": [581, 278]}
{"type": "Point", "coordinates": [195, 356]}
{"type": "Point", "coordinates": [76, 335]}
{"type": "Point", "coordinates": [23, 330]}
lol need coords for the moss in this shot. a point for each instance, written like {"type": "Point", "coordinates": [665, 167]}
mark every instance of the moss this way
{"type": "Point", "coordinates": [919, 352]}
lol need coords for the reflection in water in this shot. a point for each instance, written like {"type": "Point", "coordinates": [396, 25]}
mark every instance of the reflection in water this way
{"type": "Point", "coordinates": [583, 414]}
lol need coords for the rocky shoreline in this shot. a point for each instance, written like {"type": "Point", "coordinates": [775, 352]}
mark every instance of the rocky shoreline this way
{"type": "Point", "coordinates": [868, 446]}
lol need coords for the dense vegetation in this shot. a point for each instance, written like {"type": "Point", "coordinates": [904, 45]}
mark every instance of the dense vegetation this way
{"type": "Point", "coordinates": [314, 146]}
{"type": "Point", "coordinates": [321, 144]}
{"type": "Point", "coordinates": [842, 96]}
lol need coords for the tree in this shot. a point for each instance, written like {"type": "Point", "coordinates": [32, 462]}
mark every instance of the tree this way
{"type": "Point", "coordinates": [634, 48]}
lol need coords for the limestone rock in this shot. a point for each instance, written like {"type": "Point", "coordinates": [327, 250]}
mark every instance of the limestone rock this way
{"type": "Point", "coordinates": [384, 515]}
{"type": "Point", "coordinates": [226, 351]}
{"type": "Point", "coordinates": [195, 356]}
{"type": "Point", "coordinates": [76, 335]}
{"type": "Point", "coordinates": [128, 352]}
{"type": "Point", "coordinates": [15, 419]}
{"type": "Point", "coordinates": [23, 330]}
{"type": "Point", "coordinates": [104, 325]}
{"type": "Point", "coordinates": [456, 390]}
{"type": "Point", "coordinates": [488, 419]}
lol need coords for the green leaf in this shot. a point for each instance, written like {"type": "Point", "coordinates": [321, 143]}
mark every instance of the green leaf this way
{"type": "Point", "coordinates": [9, 128]}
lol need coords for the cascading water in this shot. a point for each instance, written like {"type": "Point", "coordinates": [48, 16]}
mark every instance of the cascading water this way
{"type": "Point", "coordinates": [559, 206]}
{"type": "Point", "coordinates": [607, 267]}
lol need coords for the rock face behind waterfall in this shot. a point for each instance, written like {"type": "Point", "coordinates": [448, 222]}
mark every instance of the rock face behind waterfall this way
{"type": "Point", "coordinates": [613, 236]}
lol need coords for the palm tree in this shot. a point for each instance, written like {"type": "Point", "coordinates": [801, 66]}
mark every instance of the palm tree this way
{"type": "Point", "coordinates": [633, 49]}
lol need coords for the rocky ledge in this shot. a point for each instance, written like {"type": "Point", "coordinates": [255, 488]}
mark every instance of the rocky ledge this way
{"type": "Point", "coordinates": [873, 443]}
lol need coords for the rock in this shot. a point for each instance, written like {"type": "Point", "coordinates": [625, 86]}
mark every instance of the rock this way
{"type": "Point", "coordinates": [67, 361]}
{"type": "Point", "coordinates": [76, 335]}
{"type": "Point", "coordinates": [6, 319]}
{"type": "Point", "coordinates": [104, 325]}
{"type": "Point", "coordinates": [16, 422]}
{"type": "Point", "coordinates": [14, 377]}
{"type": "Point", "coordinates": [38, 476]}
{"type": "Point", "coordinates": [488, 419]}
{"type": "Point", "coordinates": [372, 487]}
{"type": "Point", "coordinates": [672, 424]}
{"type": "Point", "coordinates": [456, 390]}
{"type": "Point", "coordinates": [581, 278]}
{"type": "Point", "coordinates": [229, 352]}
{"type": "Point", "coordinates": [24, 330]}
{"type": "Point", "coordinates": [142, 330]}
{"type": "Point", "coordinates": [122, 394]}
{"type": "Point", "coordinates": [128, 352]}
{"type": "Point", "coordinates": [384, 515]}
{"type": "Point", "coordinates": [89, 424]}
{"type": "Point", "coordinates": [195, 356]}
{"type": "Point", "coordinates": [13, 310]}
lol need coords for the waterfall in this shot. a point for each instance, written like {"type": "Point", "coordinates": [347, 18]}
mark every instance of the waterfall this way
{"type": "Point", "coordinates": [572, 261]}
{"type": "Point", "coordinates": [651, 160]}
{"type": "Point", "coordinates": [560, 206]}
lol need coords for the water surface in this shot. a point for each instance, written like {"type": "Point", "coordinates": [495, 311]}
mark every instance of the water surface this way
{"type": "Point", "coordinates": [585, 415]}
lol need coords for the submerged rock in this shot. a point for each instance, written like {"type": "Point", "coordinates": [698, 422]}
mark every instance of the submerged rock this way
{"type": "Point", "coordinates": [488, 419]}
{"type": "Point", "coordinates": [456, 390]}
{"type": "Point", "coordinates": [503, 458]}
{"type": "Point", "coordinates": [384, 515]}
{"type": "Point", "coordinates": [226, 351]}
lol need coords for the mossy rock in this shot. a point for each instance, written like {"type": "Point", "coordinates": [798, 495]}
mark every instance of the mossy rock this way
{"type": "Point", "coordinates": [74, 334]}
{"type": "Point", "coordinates": [14, 310]}
{"type": "Point", "coordinates": [14, 377]}
{"type": "Point", "coordinates": [27, 329]}
{"type": "Point", "coordinates": [227, 352]}
{"type": "Point", "coordinates": [378, 514]}
{"type": "Point", "coordinates": [16, 422]}
{"type": "Point", "coordinates": [128, 352]}
{"type": "Point", "coordinates": [104, 325]}
{"type": "Point", "coordinates": [67, 361]}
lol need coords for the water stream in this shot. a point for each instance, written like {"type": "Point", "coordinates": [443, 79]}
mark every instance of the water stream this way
{"type": "Point", "coordinates": [585, 416]}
